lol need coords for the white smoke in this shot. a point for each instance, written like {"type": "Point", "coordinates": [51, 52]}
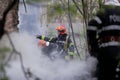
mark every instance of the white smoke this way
{"type": "Point", "coordinates": [43, 67]}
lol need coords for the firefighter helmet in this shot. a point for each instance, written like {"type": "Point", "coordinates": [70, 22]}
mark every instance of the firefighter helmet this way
{"type": "Point", "coordinates": [61, 29]}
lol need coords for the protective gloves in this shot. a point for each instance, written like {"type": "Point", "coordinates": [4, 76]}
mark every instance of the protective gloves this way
{"type": "Point", "coordinates": [43, 43]}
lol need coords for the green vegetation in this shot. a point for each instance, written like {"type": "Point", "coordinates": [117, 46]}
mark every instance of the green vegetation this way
{"type": "Point", "coordinates": [59, 11]}
{"type": "Point", "coordinates": [3, 52]}
{"type": "Point", "coordinates": [5, 78]}
{"type": "Point", "coordinates": [37, 0]}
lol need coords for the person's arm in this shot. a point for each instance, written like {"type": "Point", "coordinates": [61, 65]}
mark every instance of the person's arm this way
{"type": "Point", "coordinates": [42, 37]}
{"type": "Point", "coordinates": [51, 40]}
{"type": "Point", "coordinates": [71, 48]}
{"type": "Point", "coordinates": [92, 36]}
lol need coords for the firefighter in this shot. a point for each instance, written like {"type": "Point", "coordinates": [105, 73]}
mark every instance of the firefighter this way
{"type": "Point", "coordinates": [103, 33]}
{"type": "Point", "coordinates": [63, 42]}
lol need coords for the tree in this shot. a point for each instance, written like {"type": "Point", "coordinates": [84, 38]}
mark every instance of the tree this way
{"type": "Point", "coordinates": [8, 24]}
{"type": "Point", "coordinates": [8, 16]}
{"type": "Point", "coordinates": [77, 10]}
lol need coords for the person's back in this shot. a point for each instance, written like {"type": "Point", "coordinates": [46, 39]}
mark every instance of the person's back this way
{"type": "Point", "coordinates": [104, 39]}
{"type": "Point", "coordinates": [109, 30]}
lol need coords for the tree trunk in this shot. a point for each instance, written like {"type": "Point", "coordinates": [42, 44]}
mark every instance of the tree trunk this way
{"type": "Point", "coordinates": [8, 16]}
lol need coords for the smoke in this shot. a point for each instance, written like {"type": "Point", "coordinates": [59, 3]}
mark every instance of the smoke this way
{"type": "Point", "coordinates": [41, 66]}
